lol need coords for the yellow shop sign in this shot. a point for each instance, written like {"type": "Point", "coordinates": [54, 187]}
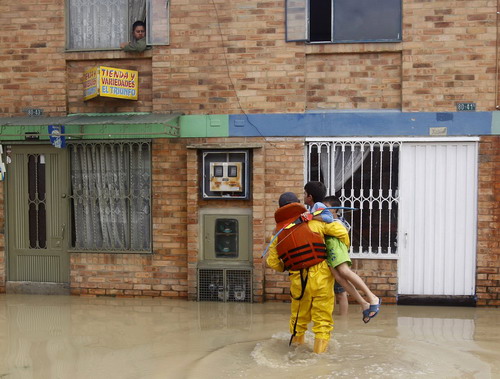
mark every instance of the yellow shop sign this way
{"type": "Point", "coordinates": [110, 82]}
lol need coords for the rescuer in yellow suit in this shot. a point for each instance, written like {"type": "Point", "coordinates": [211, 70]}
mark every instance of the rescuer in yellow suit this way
{"type": "Point", "coordinates": [311, 286]}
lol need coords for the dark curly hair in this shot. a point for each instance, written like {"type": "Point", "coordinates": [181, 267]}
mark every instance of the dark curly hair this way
{"type": "Point", "coordinates": [316, 189]}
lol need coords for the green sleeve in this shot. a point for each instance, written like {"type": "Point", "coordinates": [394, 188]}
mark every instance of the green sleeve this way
{"type": "Point", "coordinates": [330, 248]}
{"type": "Point", "coordinates": [338, 230]}
{"type": "Point", "coordinates": [136, 46]}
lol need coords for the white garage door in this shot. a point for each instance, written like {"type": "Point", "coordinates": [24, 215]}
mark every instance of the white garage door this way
{"type": "Point", "coordinates": [437, 223]}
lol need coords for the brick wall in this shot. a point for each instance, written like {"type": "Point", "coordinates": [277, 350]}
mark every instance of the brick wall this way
{"type": "Point", "coordinates": [32, 70]}
{"type": "Point", "coordinates": [277, 168]}
{"type": "Point", "coordinates": [381, 277]}
{"type": "Point", "coordinates": [353, 81]}
{"type": "Point", "coordinates": [164, 273]}
{"type": "Point", "coordinates": [284, 172]}
{"type": "Point", "coordinates": [171, 270]}
{"type": "Point", "coordinates": [488, 235]}
{"type": "Point", "coordinates": [226, 57]}
{"type": "Point", "coordinates": [195, 203]}
{"type": "Point", "coordinates": [229, 57]}
{"type": "Point", "coordinates": [449, 54]}
{"type": "Point", "coordinates": [257, 205]}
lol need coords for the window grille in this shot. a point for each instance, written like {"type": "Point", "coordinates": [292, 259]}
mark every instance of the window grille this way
{"type": "Point", "coordinates": [111, 196]}
{"type": "Point", "coordinates": [363, 174]}
{"type": "Point", "coordinates": [225, 285]}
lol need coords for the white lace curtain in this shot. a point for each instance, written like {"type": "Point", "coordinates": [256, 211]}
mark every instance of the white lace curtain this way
{"type": "Point", "coordinates": [102, 24]}
{"type": "Point", "coordinates": [111, 186]}
{"type": "Point", "coordinates": [346, 161]}
{"type": "Point", "coordinates": [136, 12]}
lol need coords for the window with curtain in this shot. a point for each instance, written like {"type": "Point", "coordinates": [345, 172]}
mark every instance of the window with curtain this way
{"type": "Point", "coordinates": [338, 21]}
{"type": "Point", "coordinates": [111, 196]}
{"type": "Point", "coordinates": [104, 24]}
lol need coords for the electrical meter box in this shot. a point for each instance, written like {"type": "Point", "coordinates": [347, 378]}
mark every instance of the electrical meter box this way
{"type": "Point", "coordinates": [226, 238]}
{"type": "Point", "coordinates": [226, 177]}
{"type": "Point", "coordinates": [226, 174]}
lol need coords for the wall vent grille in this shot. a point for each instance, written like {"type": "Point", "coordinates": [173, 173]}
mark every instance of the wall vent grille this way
{"type": "Point", "coordinates": [225, 285]}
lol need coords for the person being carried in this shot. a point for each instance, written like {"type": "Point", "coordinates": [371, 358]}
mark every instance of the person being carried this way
{"type": "Point", "coordinates": [340, 292]}
{"type": "Point", "coordinates": [138, 43]}
{"type": "Point", "coordinates": [339, 260]}
{"type": "Point", "coordinates": [298, 246]}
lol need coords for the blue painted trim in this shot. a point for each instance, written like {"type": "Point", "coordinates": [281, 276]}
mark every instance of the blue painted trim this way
{"type": "Point", "coordinates": [357, 124]}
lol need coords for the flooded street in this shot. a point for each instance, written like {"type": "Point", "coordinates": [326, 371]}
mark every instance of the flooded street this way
{"type": "Point", "coordinates": [71, 337]}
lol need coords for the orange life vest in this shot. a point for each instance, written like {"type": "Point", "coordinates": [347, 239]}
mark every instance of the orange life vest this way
{"type": "Point", "coordinates": [298, 247]}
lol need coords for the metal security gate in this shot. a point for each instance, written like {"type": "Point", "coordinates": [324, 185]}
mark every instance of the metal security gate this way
{"type": "Point", "coordinates": [362, 173]}
{"type": "Point", "coordinates": [417, 204]}
{"type": "Point", "coordinates": [37, 205]}
{"type": "Point", "coordinates": [437, 230]}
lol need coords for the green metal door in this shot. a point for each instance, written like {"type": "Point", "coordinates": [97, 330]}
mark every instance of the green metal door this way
{"type": "Point", "coordinates": [37, 201]}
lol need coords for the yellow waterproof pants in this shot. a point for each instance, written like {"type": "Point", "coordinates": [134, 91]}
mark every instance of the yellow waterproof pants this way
{"type": "Point", "coordinates": [317, 303]}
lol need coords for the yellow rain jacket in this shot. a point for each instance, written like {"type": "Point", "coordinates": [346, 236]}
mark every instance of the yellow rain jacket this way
{"type": "Point", "coordinates": [318, 300]}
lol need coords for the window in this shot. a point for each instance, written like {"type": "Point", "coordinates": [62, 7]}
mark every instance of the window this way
{"type": "Point", "coordinates": [111, 196]}
{"type": "Point", "coordinates": [337, 21]}
{"type": "Point", "coordinates": [363, 174]}
{"type": "Point", "coordinates": [104, 24]}
{"type": "Point", "coordinates": [37, 199]}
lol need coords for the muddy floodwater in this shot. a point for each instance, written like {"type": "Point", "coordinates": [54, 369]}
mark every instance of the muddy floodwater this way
{"type": "Point", "coordinates": [59, 337]}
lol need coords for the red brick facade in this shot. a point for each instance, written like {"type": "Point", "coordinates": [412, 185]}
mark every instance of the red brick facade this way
{"type": "Point", "coordinates": [357, 83]}
{"type": "Point", "coordinates": [246, 65]}
{"type": "Point", "coordinates": [230, 57]}
{"type": "Point", "coordinates": [165, 272]}
{"type": "Point", "coordinates": [488, 237]}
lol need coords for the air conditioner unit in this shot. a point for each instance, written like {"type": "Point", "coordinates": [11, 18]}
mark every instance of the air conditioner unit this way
{"type": "Point", "coordinates": [226, 176]}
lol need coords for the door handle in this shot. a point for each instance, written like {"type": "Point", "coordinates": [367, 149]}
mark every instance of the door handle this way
{"type": "Point", "coordinates": [63, 228]}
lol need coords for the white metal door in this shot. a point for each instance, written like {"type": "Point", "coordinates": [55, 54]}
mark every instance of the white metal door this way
{"type": "Point", "coordinates": [437, 232]}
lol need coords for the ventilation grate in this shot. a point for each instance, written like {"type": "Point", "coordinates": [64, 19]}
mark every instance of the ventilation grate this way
{"type": "Point", "coordinates": [225, 285]}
